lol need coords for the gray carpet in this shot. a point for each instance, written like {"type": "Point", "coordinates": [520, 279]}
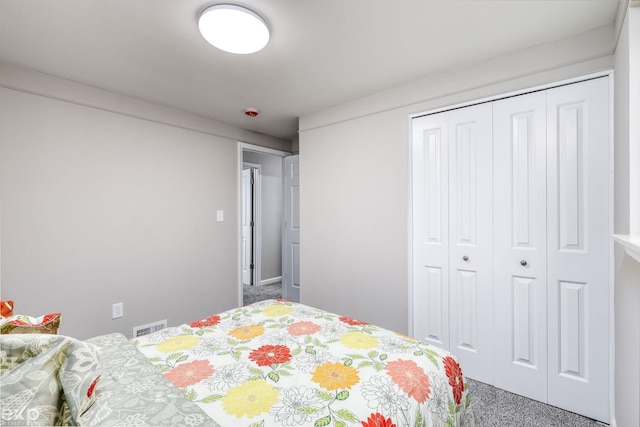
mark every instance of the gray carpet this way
{"type": "Point", "coordinates": [253, 294]}
{"type": "Point", "coordinates": [498, 408]}
{"type": "Point", "coordinates": [492, 407]}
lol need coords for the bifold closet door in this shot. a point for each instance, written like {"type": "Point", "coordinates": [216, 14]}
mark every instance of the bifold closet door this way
{"type": "Point", "coordinates": [511, 247]}
{"type": "Point", "coordinates": [430, 193]}
{"type": "Point", "coordinates": [452, 235]}
{"type": "Point", "coordinates": [471, 240]}
{"type": "Point", "coordinates": [520, 241]}
{"type": "Point", "coordinates": [578, 247]}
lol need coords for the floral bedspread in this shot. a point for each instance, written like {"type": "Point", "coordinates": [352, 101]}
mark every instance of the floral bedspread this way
{"type": "Point", "coordinates": [48, 380]}
{"type": "Point", "coordinates": [279, 363]}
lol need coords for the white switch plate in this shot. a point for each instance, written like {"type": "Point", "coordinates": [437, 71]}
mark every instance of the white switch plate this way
{"type": "Point", "coordinates": [117, 310]}
{"type": "Point", "coordinates": [220, 215]}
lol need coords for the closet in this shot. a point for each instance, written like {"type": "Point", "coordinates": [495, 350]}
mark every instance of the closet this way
{"type": "Point", "coordinates": [511, 225]}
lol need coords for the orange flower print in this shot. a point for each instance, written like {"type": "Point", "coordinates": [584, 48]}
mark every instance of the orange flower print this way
{"type": "Point", "coordinates": [411, 378]}
{"type": "Point", "coordinates": [352, 321]}
{"type": "Point", "coordinates": [209, 321]}
{"type": "Point", "coordinates": [303, 328]}
{"type": "Point", "coordinates": [268, 355]}
{"type": "Point", "coordinates": [243, 333]}
{"type": "Point", "coordinates": [378, 420]}
{"type": "Point", "coordinates": [190, 373]}
{"type": "Point", "coordinates": [454, 373]}
{"type": "Point", "coordinates": [334, 376]}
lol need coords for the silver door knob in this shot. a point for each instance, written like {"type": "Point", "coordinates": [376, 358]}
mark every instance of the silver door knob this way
{"type": "Point", "coordinates": [523, 262]}
{"type": "Point", "coordinates": [465, 258]}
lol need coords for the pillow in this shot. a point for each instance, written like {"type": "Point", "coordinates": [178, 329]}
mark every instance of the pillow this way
{"type": "Point", "coordinates": [6, 308]}
{"type": "Point", "coordinates": [46, 379]}
{"type": "Point", "coordinates": [19, 324]}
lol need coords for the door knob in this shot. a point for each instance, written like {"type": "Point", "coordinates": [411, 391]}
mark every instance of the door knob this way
{"type": "Point", "coordinates": [523, 262]}
{"type": "Point", "coordinates": [465, 258]}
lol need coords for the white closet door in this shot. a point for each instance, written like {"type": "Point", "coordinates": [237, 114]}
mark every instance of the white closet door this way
{"type": "Point", "coordinates": [579, 246]}
{"type": "Point", "coordinates": [520, 241]}
{"type": "Point", "coordinates": [431, 229]}
{"type": "Point", "coordinates": [470, 239]}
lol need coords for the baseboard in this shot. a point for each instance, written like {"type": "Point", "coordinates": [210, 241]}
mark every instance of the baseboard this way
{"type": "Point", "coordinates": [270, 281]}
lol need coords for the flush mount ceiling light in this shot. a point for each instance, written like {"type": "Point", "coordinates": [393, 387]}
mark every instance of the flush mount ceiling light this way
{"type": "Point", "coordinates": [233, 28]}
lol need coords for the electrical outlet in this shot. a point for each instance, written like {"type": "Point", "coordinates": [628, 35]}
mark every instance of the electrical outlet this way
{"type": "Point", "coordinates": [220, 215]}
{"type": "Point", "coordinates": [117, 310]}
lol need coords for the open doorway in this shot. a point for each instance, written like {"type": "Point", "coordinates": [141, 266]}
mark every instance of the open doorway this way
{"type": "Point", "coordinates": [250, 222]}
{"type": "Point", "coordinates": [261, 211]}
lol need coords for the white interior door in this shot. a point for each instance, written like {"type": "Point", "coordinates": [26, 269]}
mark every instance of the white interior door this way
{"type": "Point", "coordinates": [452, 235]}
{"type": "Point", "coordinates": [471, 239]}
{"type": "Point", "coordinates": [579, 183]}
{"type": "Point", "coordinates": [247, 229]}
{"type": "Point", "coordinates": [291, 229]}
{"type": "Point", "coordinates": [430, 211]}
{"type": "Point", "coordinates": [520, 241]}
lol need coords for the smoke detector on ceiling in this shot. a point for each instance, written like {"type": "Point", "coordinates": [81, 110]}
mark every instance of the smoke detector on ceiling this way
{"type": "Point", "coordinates": [251, 112]}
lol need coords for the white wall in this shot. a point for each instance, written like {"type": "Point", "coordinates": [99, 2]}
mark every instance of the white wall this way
{"type": "Point", "coordinates": [627, 221]}
{"type": "Point", "coordinates": [102, 202]}
{"type": "Point", "coordinates": [634, 114]}
{"type": "Point", "coordinates": [354, 166]}
{"type": "Point", "coordinates": [353, 199]}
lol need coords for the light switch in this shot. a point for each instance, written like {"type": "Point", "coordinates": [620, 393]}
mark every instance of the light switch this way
{"type": "Point", "coordinates": [220, 215]}
{"type": "Point", "coordinates": [117, 310]}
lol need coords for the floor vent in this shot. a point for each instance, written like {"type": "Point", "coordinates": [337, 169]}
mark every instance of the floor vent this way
{"type": "Point", "coordinates": [139, 331]}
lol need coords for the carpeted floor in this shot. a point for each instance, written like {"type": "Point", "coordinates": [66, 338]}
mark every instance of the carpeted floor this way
{"type": "Point", "coordinates": [498, 408]}
{"type": "Point", "coordinates": [253, 294]}
{"type": "Point", "coordinates": [492, 407]}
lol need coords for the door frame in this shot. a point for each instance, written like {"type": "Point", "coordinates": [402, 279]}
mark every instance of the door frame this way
{"type": "Point", "coordinates": [256, 236]}
{"type": "Point", "coordinates": [241, 148]}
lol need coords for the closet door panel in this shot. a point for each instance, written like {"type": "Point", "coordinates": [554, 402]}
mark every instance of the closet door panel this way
{"type": "Point", "coordinates": [470, 239]}
{"type": "Point", "coordinates": [579, 246]}
{"type": "Point", "coordinates": [430, 219]}
{"type": "Point", "coordinates": [520, 297]}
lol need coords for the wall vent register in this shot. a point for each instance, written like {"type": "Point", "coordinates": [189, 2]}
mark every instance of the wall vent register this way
{"type": "Point", "coordinates": [149, 328]}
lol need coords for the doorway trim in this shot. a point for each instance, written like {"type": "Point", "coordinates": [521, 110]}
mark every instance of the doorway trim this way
{"type": "Point", "coordinates": [256, 229]}
{"type": "Point", "coordinates": [242, 147]}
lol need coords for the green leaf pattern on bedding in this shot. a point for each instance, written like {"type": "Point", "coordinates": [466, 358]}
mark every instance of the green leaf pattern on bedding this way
{"type": "Point", "coordinates": [44, 379]}
{"type": "Point", "coordinates": [132, 393]}
{"type": "Point", "coordinates": [52, 380]}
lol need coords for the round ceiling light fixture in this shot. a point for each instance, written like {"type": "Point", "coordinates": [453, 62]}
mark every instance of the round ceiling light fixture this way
{"type": "Point", "coordinates": [233, 29]}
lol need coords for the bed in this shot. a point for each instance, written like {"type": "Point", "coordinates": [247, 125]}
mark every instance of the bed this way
{"type": "Point", "coordinates": [272, 363]}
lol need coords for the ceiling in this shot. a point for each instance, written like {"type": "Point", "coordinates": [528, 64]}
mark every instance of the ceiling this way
{"type": "Point", "coordinates": [321, 52]}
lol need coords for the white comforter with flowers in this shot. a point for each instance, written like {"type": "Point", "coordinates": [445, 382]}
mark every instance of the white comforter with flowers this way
{"type": "Point", "coordinates": [279, 363]}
